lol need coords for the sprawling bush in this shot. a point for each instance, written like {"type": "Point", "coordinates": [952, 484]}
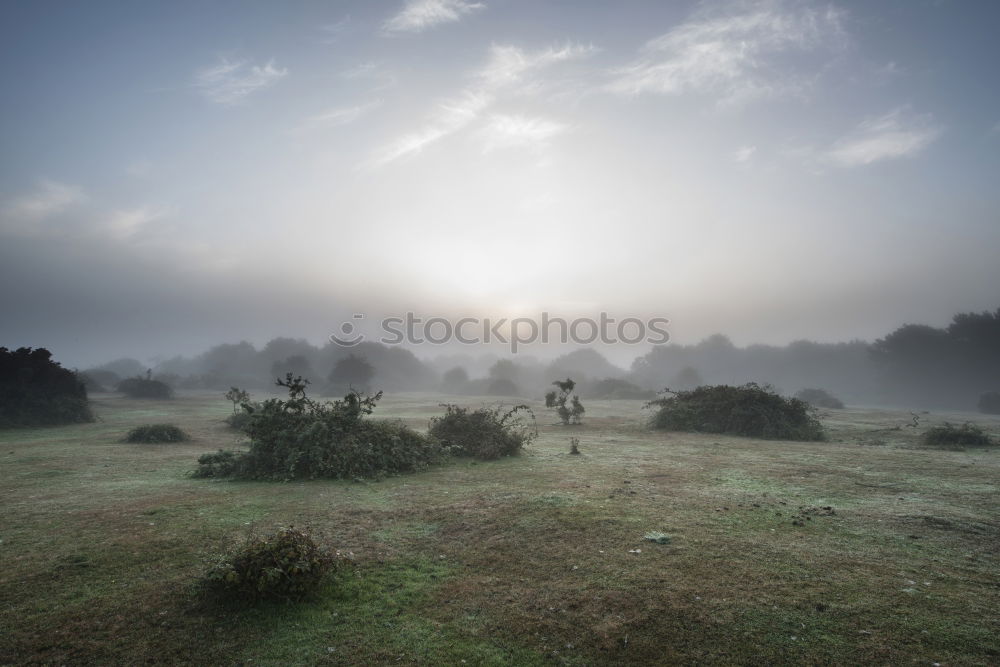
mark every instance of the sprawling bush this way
{"type": "Point", "coordinates": [223, 463]}
{"type": "Point", "coordinates": [36, 391]}
{"type": "Point", "coordinates": [820, 398]}
{"type": "Point", "coordinates": [989, 403]}
{"type": "Point", "coordinates": [950, 435]}
{"type": "Point", "coordinates": [749, 410]}
{"type": "Point", "coordinates": [156, 433]}
{"type": "Point", "coordinates": [287, 565]}
{"type": "Point", "coordinates": [241, 420]}
{"type": "Point", "coordinates": [485, 433]}
{"type": "Point", "coordinates": [300, 438]}
{"type": "Point", "coordinates": [145, 387]}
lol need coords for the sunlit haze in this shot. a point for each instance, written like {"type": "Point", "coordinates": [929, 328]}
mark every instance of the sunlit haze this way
{"type": "Point", "coordinates": [181, 174]}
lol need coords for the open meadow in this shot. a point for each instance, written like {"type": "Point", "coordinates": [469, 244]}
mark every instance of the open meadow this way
{"type": "Point", "coordinates": [865, 549]}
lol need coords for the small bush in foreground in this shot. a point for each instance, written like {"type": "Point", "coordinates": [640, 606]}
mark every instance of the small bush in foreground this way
{"type": "Point", "coordinates": [820, 398]}
{"type": "Point", "coordinates": [989, 403]}
{"type": "Point", "coordinates": [950, 435]}
{"type": "Point", "coordinates": [300, 438]}
{"type": "Point", "coordinates": [222, 463]}
{"type": "Point", "coordinates": [147, 387]}
{"type": "Point", "coordinates": [286, 565]}
{"type": "Point", "coordinates": [486, 433]}
{"type": "Point", "coordinates": [749, 410]}
{"type": "Point", "coordinates": [156, 433]}
{"type": "Point", "coordinates": [36, 391]}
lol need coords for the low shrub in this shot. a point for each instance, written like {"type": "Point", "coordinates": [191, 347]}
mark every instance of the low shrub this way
{"type": "Point", "coordinates": [950, 435]}
{"type": "Point", "coordinates": [241, 420]}
{"type": "Point", "coordinates": [287, 565]}
{"type": "Point", "coordinates": [748, 410]}
{"type": "Point", "coordinates": [145, 387]}
{"type": "Point", "coordinates": [156, 433]}
{"type": "Point", "coordinates": [989, 403]}
{"type": "Point", "coordinates": [820, 398]}
{"type": "Point", "coordinates": [37, 391]}
{"type": "Point", "coordinates": [486, 433]}
{"type": "Point", "coordinates": [300, 438]}
{"type": "Point", "coordinates": [222, 463]}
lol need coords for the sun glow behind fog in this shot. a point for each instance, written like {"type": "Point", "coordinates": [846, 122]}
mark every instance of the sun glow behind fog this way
{"type": "Point", "coordinates": [707, 162]}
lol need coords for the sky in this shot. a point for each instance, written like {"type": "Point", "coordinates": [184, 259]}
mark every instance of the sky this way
{"type": "Point", "coordinates": [179, 174]}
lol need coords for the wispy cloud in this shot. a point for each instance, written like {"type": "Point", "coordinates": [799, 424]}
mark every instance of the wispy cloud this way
{"type": "Point", "coordinates": [419, 15]}
{"type": "Point", "coordinates": [124, 224]}
{"type": "Point", "coordinates": [734, 55]}
{"type": "Point", "coordinates": [337, 116]}
{"type": "Point", "coordinates": [744, 154]}
{"type": "Point", "coordinates": [505, 131]}
{"type": "Point", "coordinates": [332, 32]}
{"type": "Point", "coordinates": [898, 134]}
{"type": "Point", "coordinates": [508, 71]}
{"type": "Point", "coordinates": [48, 199]}
{"type": "Point", "coordinates": [230, 82]}
{"type": "Point", "coordinates": [373, 72]}
{"type": "Point", "coordinates": [57, 211]}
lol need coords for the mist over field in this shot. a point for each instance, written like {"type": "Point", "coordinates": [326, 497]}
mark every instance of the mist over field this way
{"type": "Point", "coordinates": [499, 332]}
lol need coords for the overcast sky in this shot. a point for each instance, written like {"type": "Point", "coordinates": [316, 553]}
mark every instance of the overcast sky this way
{"type": "Point", "coordinates": [178, 174]}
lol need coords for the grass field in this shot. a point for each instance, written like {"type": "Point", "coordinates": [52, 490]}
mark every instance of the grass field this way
{"type": "Point", "coordinates": [865, 549]}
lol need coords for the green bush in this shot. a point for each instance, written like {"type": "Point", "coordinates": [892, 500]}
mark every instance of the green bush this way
{"type": "Point", "coordinates": [569, 414]}
{"type": "Point", "coordinates": [286, 565]}
{"type": "Point", "coordinates": [950, 435]}
{"type": "Point", "coordinates": [820, 398]}
{"type": "Point", "coordinates": [486, 433]}
{"type": "Point", "coordinates": [749, 410]}
{"type": "Point", "coordinates": [139, 387]}
{"type": "Point", "coordinates": [156, 433]}
{"type": "Point", "coordinates": [222, 463]}
{"type": "Point", "coordinates": [36, 391]}
{"type": "Point", "coordinates": [241, 420]}
{"type": "Point", "coordinates": [989, 403]}
{"type": "Point", "coordinates": [300, 438]}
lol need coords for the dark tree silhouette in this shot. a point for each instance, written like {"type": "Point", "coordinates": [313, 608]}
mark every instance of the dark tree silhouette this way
{"type": "Point", "coordinates": [352, 372]}
{"type": "Point", "coordinates": [36, 391]}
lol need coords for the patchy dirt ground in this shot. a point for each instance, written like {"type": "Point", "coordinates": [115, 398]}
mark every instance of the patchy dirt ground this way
{"type": "Point", "coordinates": [866, 548]}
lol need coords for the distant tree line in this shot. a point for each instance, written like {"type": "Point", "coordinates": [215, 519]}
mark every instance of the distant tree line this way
{"type": "Point", "coordinates": [917, 365]}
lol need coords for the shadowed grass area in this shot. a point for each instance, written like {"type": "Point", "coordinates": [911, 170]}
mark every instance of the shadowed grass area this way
{"type": "Point", "coordinates": [835, 552]}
